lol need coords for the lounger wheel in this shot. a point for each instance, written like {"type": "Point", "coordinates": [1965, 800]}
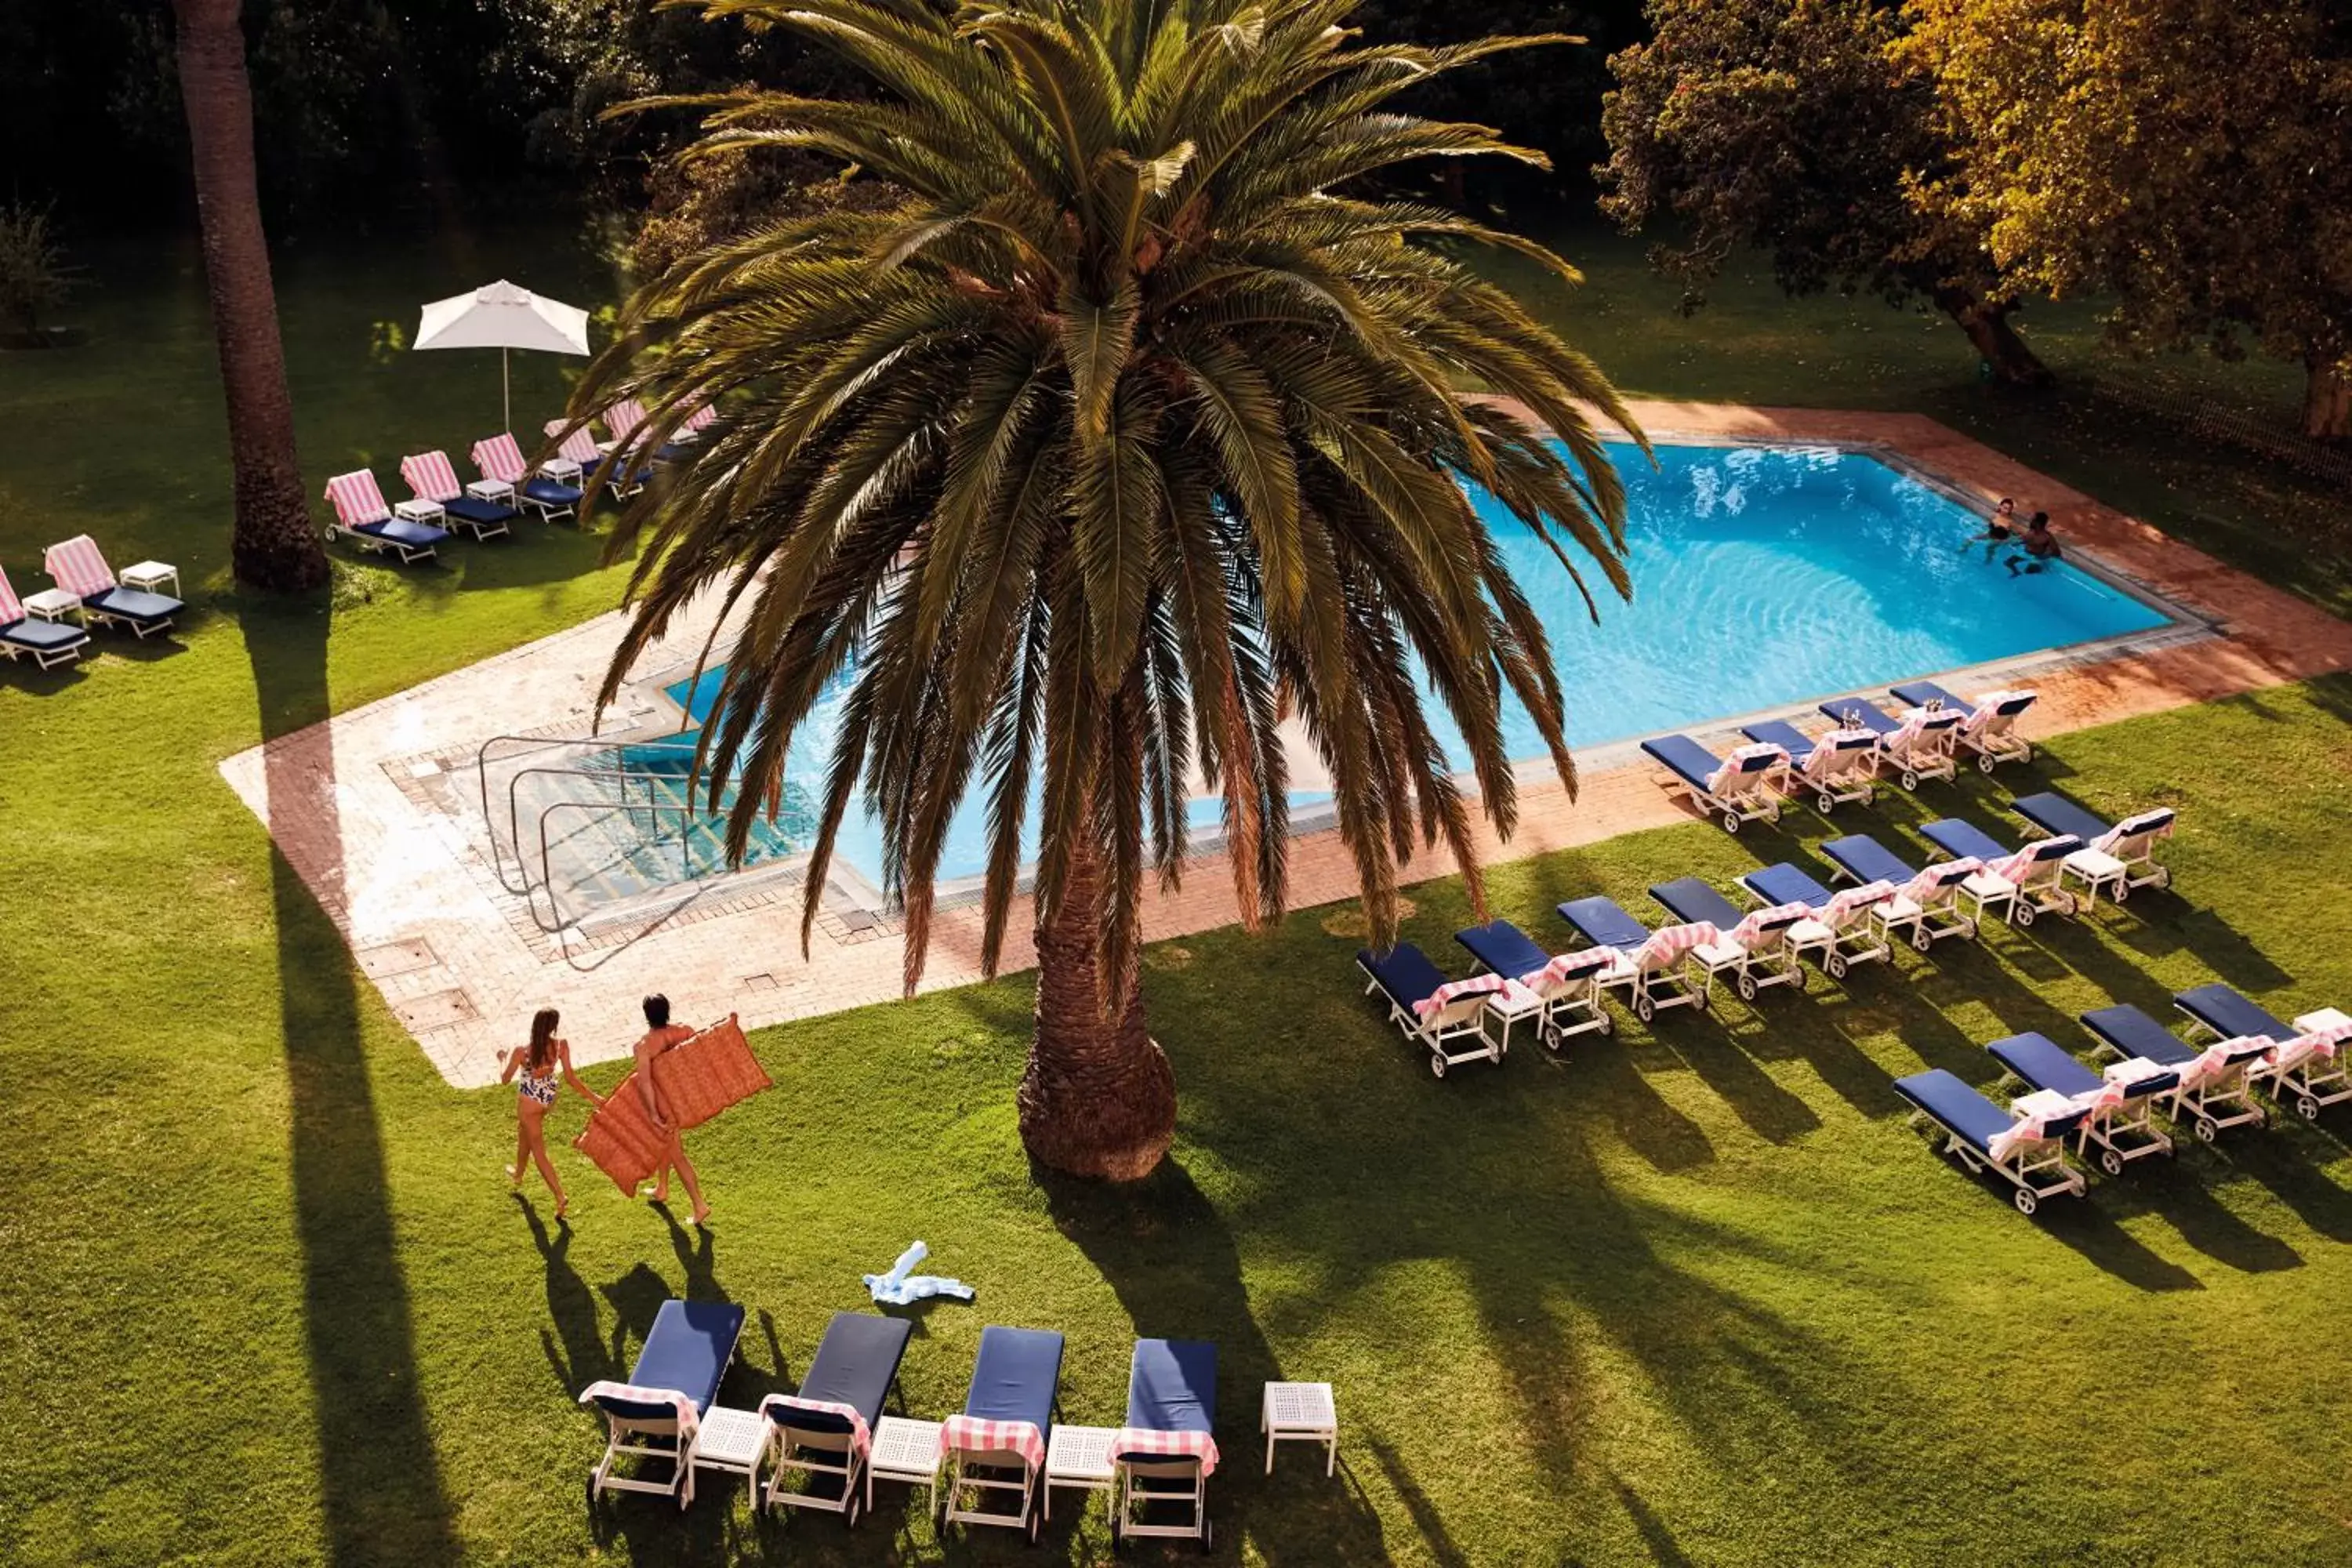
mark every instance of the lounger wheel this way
{"type": "Point", "coordinates": [1436, 1066]}
{"type": "Point", "coordinates": [2020, 913]}
{"type": "Point", "coordinates": [1985, 765]}
{"type": "Point", "coordinates": [1747, 984]}
{"type": "Point", "coordinates": [1731, 822]}
{"type": "Point", "coordinates": [2025, 752]}
{"type": "Point", "coordinates": [1908, 779]}
{"type": "Point", "coordinates": [1825, 803]}
{"type": "Point", "coordinates": [2025, 1200]}
{"type": "Point", "coordinates": [1922, 937]}
{"type": "Point", "coordinates": [2122, 891]}
{"type": "Point", "coordinates": [2208, 1130]}
{"type": "Point", "coordinates": [1608, 1026]}
{"type": "Point", "coordinates": [1835, 965]}
{"type": "Point", "coordinates": [2111, 1163]}
{"type": "Point", "coordinates": [1208, 1538]}
{"type": "Point", "coordinates": [1550, 1036]}
{"type": "Point", "coordinates": [2307, 1108]}
{"type": "Point", "coordinates": [1803, 979]}
{"type": "Point", "coordinates": [1644, 1009]}
{"type": "Point", "coordinates": [2161, 879]}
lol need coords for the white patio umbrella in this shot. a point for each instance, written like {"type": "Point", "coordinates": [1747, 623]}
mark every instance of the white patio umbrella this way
{"type": "Point", "coordinates": [503, 316]}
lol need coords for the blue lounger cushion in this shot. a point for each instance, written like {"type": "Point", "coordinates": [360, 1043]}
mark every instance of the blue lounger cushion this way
{"type": "Point", "coordinates": [1015, 1376]}
{"type": "Point", "coordinates": [854, 1365]}
{"type": "Point", "coordinates": [1604, 922]}
{"type": "Point", "coordinates": [1787, 884]}
{"type": "Point", "coordinates": [2231, 1013]}
{"type": "Point", "coordinates": [551, 492]}
{"type": "Point", "coordinates": [1689, 900]}
{"type": "Point", "coordinates": [1920, 693]}
{"type": "Point", "coordinates": [1967, 1114]}
{"type": "Point", "coordinates": [1955, 839]}
{"type": "Point", "coordinates": [1405, 972]}
{"type": "Point", "coordinates": [688, 1352]}
{"type": "Point", "coordinates": [1862, 714]}
{"type": "Point", "coordinates": [1503, 948]}
{"type": "Point", "coordinates": [2132, 1033]}
{"type": "Point", "coordinates": [2054, 814]}
{"type": "Point", "coordinates": [1865, 859]}
{"type": "Point", "coordinates": [474, 509]}
{"type": "Point", "coordinates": [43, 636]}
{"type": "Point", "coordinates": [1685, 758]}
{"type": "Point", "coordinates": [1782, 733]}
{"type": "Point", "coordinates": [2044, 1063]}
{"type": "Point", "coordinates": [133, 605]}
{"type": "Point", "coordinates": [1172, 1386]}
{"type": "Point", "coordinates": [402, 532]}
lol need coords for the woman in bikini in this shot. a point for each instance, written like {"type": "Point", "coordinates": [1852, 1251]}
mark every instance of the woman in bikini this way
{"type": "Point", "coordinates": [539, 1062]}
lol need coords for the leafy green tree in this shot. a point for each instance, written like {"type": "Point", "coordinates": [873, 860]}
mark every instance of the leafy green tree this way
{"type": "Point", "coordinates": [34, 274]}
{"type": "Point", "coordinates": [2188, 156]}
{"type": "Point", "coordinates": [1783, 125]}
{"type": "Point", "coordinates": [1125, 431]}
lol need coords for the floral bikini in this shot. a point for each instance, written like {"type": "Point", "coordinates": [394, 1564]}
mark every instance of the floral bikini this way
{"type": "Point", "coordinates": [539, 1087]}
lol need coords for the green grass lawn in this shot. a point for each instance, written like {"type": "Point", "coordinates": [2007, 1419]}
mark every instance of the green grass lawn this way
{"type": "Point", "coordinates": [1692, 1296]}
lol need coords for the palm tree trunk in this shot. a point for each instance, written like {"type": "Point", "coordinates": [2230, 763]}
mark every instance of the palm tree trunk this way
{"type": "Point", "coordinates": [1098, 1099]}
{"type": "Point", "coordinates": [275, 546]}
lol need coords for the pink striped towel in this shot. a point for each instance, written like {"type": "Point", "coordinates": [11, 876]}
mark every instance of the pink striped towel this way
{"type": "Point", "coordinates": [12, 609]}
{"type": "Point", "coordinates": [1765, 926]}
{"type": "Point", "coordinates": [971, 1435]}
{"type": "Point", "coordinates": [1198, 1445]}
{"type": "Point", "coordinates": [429, 477]}
{"type": "Point", "coordinates": [1841, 910]}
{"type": "Point", "coordinates": [77, 567]}
{"type": "Point", "coordinates": [687, 1418]}
{"type": "Point", "coordinates": [1569, 966]}
{"type": "Point", "coordinates": [499, 458]}
{"type": "Point", "coordinates": [861, 1441]}
{"type": "Point", "coordinates": [578, 447]}
{"type": "Point", "coordinates": [1454, 991]}
{"type": "Point", "coordinates": [1744, 763]}
{"type": "Point", "coordinates": [356, 498]}
{"type": "Point", "coordinates": [623, 417]}
{"type": "Point", "coordinates": [701, 419]}
{"type": "Point", "coordinates": [2157, 824]}
{"type": "Point", "coordinates": [1940, 882]}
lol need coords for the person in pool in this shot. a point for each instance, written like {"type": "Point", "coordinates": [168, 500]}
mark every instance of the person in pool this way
{"type": "Point", "coordinates": [539, 1062]}
{"type": "Point", "coordinates": [2039, 548]}
{"type": "Point", "coordinates": [1997, 530]}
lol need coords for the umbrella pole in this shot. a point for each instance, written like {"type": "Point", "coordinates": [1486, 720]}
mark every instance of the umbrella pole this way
{"type": "Point", "coordinates": [506, 389]}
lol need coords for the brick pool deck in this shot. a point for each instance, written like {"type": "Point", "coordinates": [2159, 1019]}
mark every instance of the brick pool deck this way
{"type": "Point", "coordinates": [376, 809]}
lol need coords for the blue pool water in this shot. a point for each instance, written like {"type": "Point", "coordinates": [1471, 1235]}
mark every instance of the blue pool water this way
{"type": "Point", "coordinates": [1763, 576]}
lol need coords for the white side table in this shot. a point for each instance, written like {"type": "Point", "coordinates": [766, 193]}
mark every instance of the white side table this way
{"type": "Point", "coordinates": [425, 511]}
{"type": "Point", "coordinates": [149, 577]}
{"type": "Point", "coordinates": [734, 1442]}
{"type": "Point", "coordinates": [2095, 868]}
{"type": "Point", "coordinates": [1509, 1008]}
{"type": "Point", "coordinates": [2326, 1018]}
{"type": "Point", "coordinates": [562, 471]}
{"type": "Point", "coordinates": [497, 491]}
{"type": "Point", "coordinates": [1302, 1412]}
{"type": "Point", "coordinates": [1078, 1456]}
{"type": "Point", "coordinates": [904, 1451]}
{"type": "Point", "coordinates": [53, 605]}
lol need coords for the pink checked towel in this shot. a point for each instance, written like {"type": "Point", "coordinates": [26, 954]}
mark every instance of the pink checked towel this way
{"type": "Point", "coordinates": [2015, 868]}
{"type": "Point", "coordinates": [1930, 887]}
{"type": "Point", "coordinates": [578, 447]}
{"type": "Point", "coordinates": [2035, 1112]}
{"type": "Point", "coordinates": [1198, 1445]}
{"type": "Point", "coordinates": [1765, 926]}
{"type": "Point", "coordinates": [77, 567]}
{"type": "Point", "coordinates": [1988, 709]}
{"type": "Point", "coordinates": [499, 458]}
{"type": "Point", "coordinates": [12, 609]}
{"type": "Point", "coordinates": [1839, 751]}
{"type": "Point", "coordinates": [1739, 764]}
{"type": "Point", "coordinates": [1452, 991]}
{"type": "Point", "coordinates": [686, 1418]}
{"type": "Point", "coordinates": [1917, 721]}
{"type": "Point", "coordinates": [2157, 824]}
{"type": "Point", "coordinates": [971, 1435]}
{"type": "Point", "coordinates": [356, 498]}
{"type": "Point", "coordinates": [2318, 1045]}
{"type": "Point", "coordinates": [1569, 966]}
{"type": "Point", "coordinates": [429, 477]}
{"type": "Point", "coordinates": [861, 1441]}
{"type": "Point", "coordinates": [1665, 948]}
{"type": "Point", "coordinates": [2124, 1074]}
{"type": "Point", "coordinates": [1841, 910]}
{"type": "Point", "coordinates": [2217, 1060]}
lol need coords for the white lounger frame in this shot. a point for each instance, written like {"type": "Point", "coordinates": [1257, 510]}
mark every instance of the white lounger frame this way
{"type": "Point", "coordinates": [2043, 891]}
{"type": "Point", "coordinates": [374, 546]}
{"type": "Point", "coordinates": [618, 1445]}
{"type": "Point", "coordinates": [1850, 779]}
{"type": "Point", "coordinates": [1462, 1019]}
{"type": "Point", "coordinates": [1996, 742]}
{"type": "Point", "coordinates": [1650, 992]}
{"type": "Point", "coordinates": [1924, 925]}
{"type": "Point", "coordinates": [818, 1454]}
{"type": "Point", "coordinates": [954, 1482]}
{"type": "Point", "coordinates": [48, 658]}
{"type": "Point", "coordinates": [1932, 754]}
{"type": "Point", "coordinates": [2310, 1084]}
{"type": "Point", "coordinates": [1573, 1006]}
{"type": "Point", "coordinates": [2022, 1169]}
{"type": "Point", "coordinates": [1756, 796]}
{"type": "Point", "coordinates": [2123, 1132]}
{"type": "Point", "coordinates": [1757, 969]}
{"type": "Point", "coordinates": [1191, 1488]}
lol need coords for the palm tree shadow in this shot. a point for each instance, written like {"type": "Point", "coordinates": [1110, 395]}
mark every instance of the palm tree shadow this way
{"type": "Point", "coordinates": [378, 1475]}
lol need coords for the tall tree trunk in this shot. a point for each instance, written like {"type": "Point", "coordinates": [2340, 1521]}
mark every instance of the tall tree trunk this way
{"type": "Point", "coordinates": [1098, 1099]}
{"type": "Point", "coordinates": [275, 546]}
{"type": "Point", "coordinates": [2326, 399]}
{"type": "Point", "coordinates": [1985, 321]}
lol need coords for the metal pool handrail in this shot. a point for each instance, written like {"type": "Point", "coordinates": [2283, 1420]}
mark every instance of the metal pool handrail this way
{"type": "Point", "coordinates": [544, 742]}
{"type": "Point", "coordinates": [555, 905]}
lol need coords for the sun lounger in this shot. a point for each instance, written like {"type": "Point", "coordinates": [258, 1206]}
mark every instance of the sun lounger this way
{"type": "Point", "coordinates": [1988, 724]}
{"type": "Point", "coordinates": [1915, 744]}
{"type": "Point", "coordinates": [995, 1452]}
{"type": "Point", "coordinates": [500, 462]}
{"type": "Point", "coordinates": [1840, 929]}
{"type": "Point", "coordinates": [1927, 903]}
{"type": "Point", "coordinates": [1753, 949]}
{"type": "Point", "coordinates": [2115, 857]}
{"type": "Point", "coordinates": [1735, 789]}
{"type": "Point", "coordinates": [1167, 1450]}
{"type": "Point", "coordinates": [77, 567]}
{"type": "Point", "coordinates": [430, 478]}
{"type": "Point", "coordinates": [1839, 768]}
{"type": "Point", "coordinates": [2029, 1152]}
{"type": "Point", "coordinates": [2215, 1090]}
{"type": "Point", "coordinates": [1569, 988]}
{"type": "Point", "coordinates": [2305, 1068]}
{"type": "Point", "coordinates": [1649, 965]}
{"type": "Point", "coordinates": [46, 643]}
{"type": "Point", "coordinates": [621, 473]}
{"type": "Point", "coordinates": [2026, 882]}
{"type": "Point", "coordinates": [653, 1416]}
{"type": "Point", "coordinates": [626, 417]}
{"type": "Point", "coordinates": [2118, 1105]}
{"type": "Point", "coordinates": [367, 519]}
{"type": "Point", "coordinates": [824, 1433]}
{"type": "Point", "coordinates": [1448, 1016]}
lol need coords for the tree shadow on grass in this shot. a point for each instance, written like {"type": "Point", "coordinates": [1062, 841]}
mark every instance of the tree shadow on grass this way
{"type": "Point", "coordinates": [380, 1479]}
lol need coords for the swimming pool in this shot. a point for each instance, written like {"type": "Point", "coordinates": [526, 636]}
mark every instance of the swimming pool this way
{"type": "Point", "coordinates": [1764, 577]}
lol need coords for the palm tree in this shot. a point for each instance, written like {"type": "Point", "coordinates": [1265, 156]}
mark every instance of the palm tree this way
{"type": "Point", "coordinates": [1129, 431]}
{"type": "Point", "coordinates": [274, 545]}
